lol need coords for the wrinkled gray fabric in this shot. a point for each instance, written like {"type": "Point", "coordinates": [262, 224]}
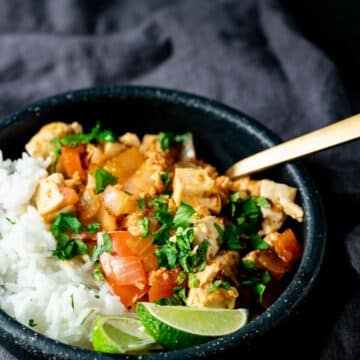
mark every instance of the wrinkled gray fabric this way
{"type": "Point", "coordinates": [247, 54]}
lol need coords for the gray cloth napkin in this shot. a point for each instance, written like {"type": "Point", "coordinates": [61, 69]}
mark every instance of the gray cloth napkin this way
{"type": "Point", "coordinates": [247, 54]}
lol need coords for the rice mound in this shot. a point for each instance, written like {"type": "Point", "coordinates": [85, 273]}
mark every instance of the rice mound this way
{"type": "Point", "coordinates": [60, 297]}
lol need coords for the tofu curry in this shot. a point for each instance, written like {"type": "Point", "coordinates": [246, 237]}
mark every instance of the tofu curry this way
{"type": "Point", "coordinates": [161, 225]}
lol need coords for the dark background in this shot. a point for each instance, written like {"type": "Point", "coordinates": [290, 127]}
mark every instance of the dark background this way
{"type": "Point", "coordinates": [292, 65]}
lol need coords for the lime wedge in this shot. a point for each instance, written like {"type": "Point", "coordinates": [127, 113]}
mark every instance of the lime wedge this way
{"type": "Point", "coordinates": [120, 335]}
{"type": "Point", "coordinates": [176, 327]}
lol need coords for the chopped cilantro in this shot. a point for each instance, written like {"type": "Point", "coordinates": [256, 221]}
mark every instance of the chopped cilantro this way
{"type": "Point", "coordinates": [97, 273]}
{"type": "Point", "coordinates": [193, 281]}
{"type": "Point", "coordinates": [106, 246]}
{"type": "Point", "coordinates": [144, 227]}
{"type": "Point", "coordinates": [163, 216]}
{"type": "Point", "coordinates": [257, 243]}
{"type": "Point", "coordinates": [64, 222]}
{"type": "Point", "coordinates": [70, 249]}
{"type": "Point", "coordinates": [183, 215]}
{"type": "Point", "coordinates": [95, 134]}
{"type": "Point", "coordinates": [249, 265]}
{"type": "Point", "coordinates": [167, 139]}
{"type": "Point", "coordinates": [93, 228]}
{"type": "Point", "coordinates": [159, 201]}
{"type": "Point", "coordinates": [32, 323]}
{"type": "Point", "coordinates": [161, 235]}
{"type": "Point", "coordinates": [178, 298]}
{"type": "Point", "coordinates": [266, 277]}
{"type": "Point", "coordinates": [12, 222]}
{"type": "Point", "coordinates": [180, 278]}
{"type": "Point", "coordinates": [234, 197]}
{"type": "Point", "coordinates": [72, 303]}
{"type": "Point", "coordinates": [141, 203]}
{"type": "Point", "coordinates": [259, 290]}
{"type": "Point", "coordinates": [217, 284]}
{"type": "Point", "coordinates": [167, 255]}
{"type": "Point", "coordinates": [262, 202]}
{"type": "Point", "coordinates": [231, 238]}
{"type": "Point", "coordinates": [102, 179]}
{"type": "Point", "coordinates": [165, 179]}
{"type": "Point", "coordinates": [220, 231]}
{"type": "Point", "coordinates": [67, 248]}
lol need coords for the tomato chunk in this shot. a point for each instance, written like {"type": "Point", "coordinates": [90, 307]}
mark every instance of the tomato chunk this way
{"type": "Point", "coordinates": [162, 283]}
{"type": "Point", "coordinates": [71, 161]}
{"type": "Point", "coordinates": [287, 247]}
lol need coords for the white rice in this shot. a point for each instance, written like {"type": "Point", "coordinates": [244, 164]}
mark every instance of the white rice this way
{"type": "Point", "coordinates": [61, 297]}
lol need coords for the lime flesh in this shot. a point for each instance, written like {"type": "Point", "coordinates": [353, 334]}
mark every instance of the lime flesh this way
{"type": "Point", "coordinates": [176, 327]}
{"type": "Point", "coordinates": [120, 335]}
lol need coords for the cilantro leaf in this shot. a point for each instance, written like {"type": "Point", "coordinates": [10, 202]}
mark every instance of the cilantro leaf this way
{"type": "Point", "coordinates": [12, 222]}
{"type": "Point", "coordinates": [220, 232]}
{"type": "Point", "coordinates": [193, 281]}
{"type": "Point", "coordinates": [167, 255]}
{"type": "Point", "coordinates": [259, 290]}
{"type": "Point", "coordinates": [106, 246]}
{"type": "Point", "coordinates": [161, 235]}
{"type": "Point", "coordinates": [64, 222]}
{"type": "Point", "coordinates": [217, 284]}
{"type": "Point", "coordinates": [183, 215]}
{"type": "Point", "coordinates": [32, 323]}
{"type": "Point", "coordinates": [249, 265]}
{"type": "Point", "coordinates": [180, 278]}
{"type": "Point", "coordinates": [141, 203]}
{"type": "Point", "coordinates": [178, 298]}
{"type": "Point", "coordinates": [72, 303]}
{"type": "Point", "coordinates": [262, 202]}
{"type": "Point", "coordinates": [234, 197]}
{"type": "Point", "coordinates": [93, 228]}
{"type": "Point", "coordinates": [167, 139]}
{"type": "Point", "coordinates": [70, 249]}
{"type": "Point", "coordinates": [102, 179]}
{"type": "Point", "coordinates": [257, 243]}
{"type": "Point", "coordinates": [144, 227]}
{"type": "Point", "coordinates": [231, 238]}
{"type": "Point", "coordinates": [266, 277]}
{"type": "Point", "coordinates": [97, 273]}
{"type": "Point", "coordinates": [165, 178]}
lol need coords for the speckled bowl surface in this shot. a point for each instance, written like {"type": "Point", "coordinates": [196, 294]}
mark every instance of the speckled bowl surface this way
{"type": "Point", "coordinates": [222, 136]}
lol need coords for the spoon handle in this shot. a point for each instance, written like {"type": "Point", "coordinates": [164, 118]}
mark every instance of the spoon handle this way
{"type": "Point", "coordinates": [335, 134]}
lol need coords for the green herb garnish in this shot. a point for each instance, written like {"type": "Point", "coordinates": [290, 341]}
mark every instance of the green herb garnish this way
{"type": "Point", "coordinates": [72, 303]}
{"type": "Point", "coordinates": [217, 284]}
{"type": "Point", "coordinates": [93, 228]}
{"type": "Point", "coordinates": [183, 215]}
{"type": "Point", "coordinates": [257, 243]}
{"type": "Point", "coordinates": [193, 281]}
{"type": "Point", "coordinates": [12, 222]}
{"type": "Point", "coordinates": [167, 139]}
{"type": "Point", "coordinates": [97, 273]}
{"type": "Point", "coordinates": [106, 246]}
{"type": "Point", "coordinates": [61, 228]}
{"type": "Point", "coordinates": [144, 227]}
{"type": "Point", "coordinates": [141, 203]}
{"type": "Point", "coordinates": [102, 179]}
{"type": "Point", "coordinates": [32, 323]}
{"type": "Point", "coordinates": [165, 178]}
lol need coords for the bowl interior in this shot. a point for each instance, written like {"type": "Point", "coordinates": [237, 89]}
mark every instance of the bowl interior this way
{"type": "Point", "coordinates": [222, 136]}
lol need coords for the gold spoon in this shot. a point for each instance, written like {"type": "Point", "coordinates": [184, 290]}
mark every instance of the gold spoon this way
{"type": "Point", "coordinates": [324, 138]}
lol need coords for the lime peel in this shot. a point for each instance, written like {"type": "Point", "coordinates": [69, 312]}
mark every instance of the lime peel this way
{"type": "Point", "coordinates": [176, 327]}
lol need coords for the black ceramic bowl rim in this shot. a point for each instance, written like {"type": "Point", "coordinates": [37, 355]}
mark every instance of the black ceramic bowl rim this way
{"type": "Point", "coordinates": [290, 300]}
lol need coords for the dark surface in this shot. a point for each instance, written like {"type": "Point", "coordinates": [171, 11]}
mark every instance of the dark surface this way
{"type": "Point", "coordinates": [248, 54]}
{"type": "Point", "coordinates": [229, 136]}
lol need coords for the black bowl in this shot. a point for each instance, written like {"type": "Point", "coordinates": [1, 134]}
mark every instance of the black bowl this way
{"type": "Point", "coordinates": [223, 136]}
